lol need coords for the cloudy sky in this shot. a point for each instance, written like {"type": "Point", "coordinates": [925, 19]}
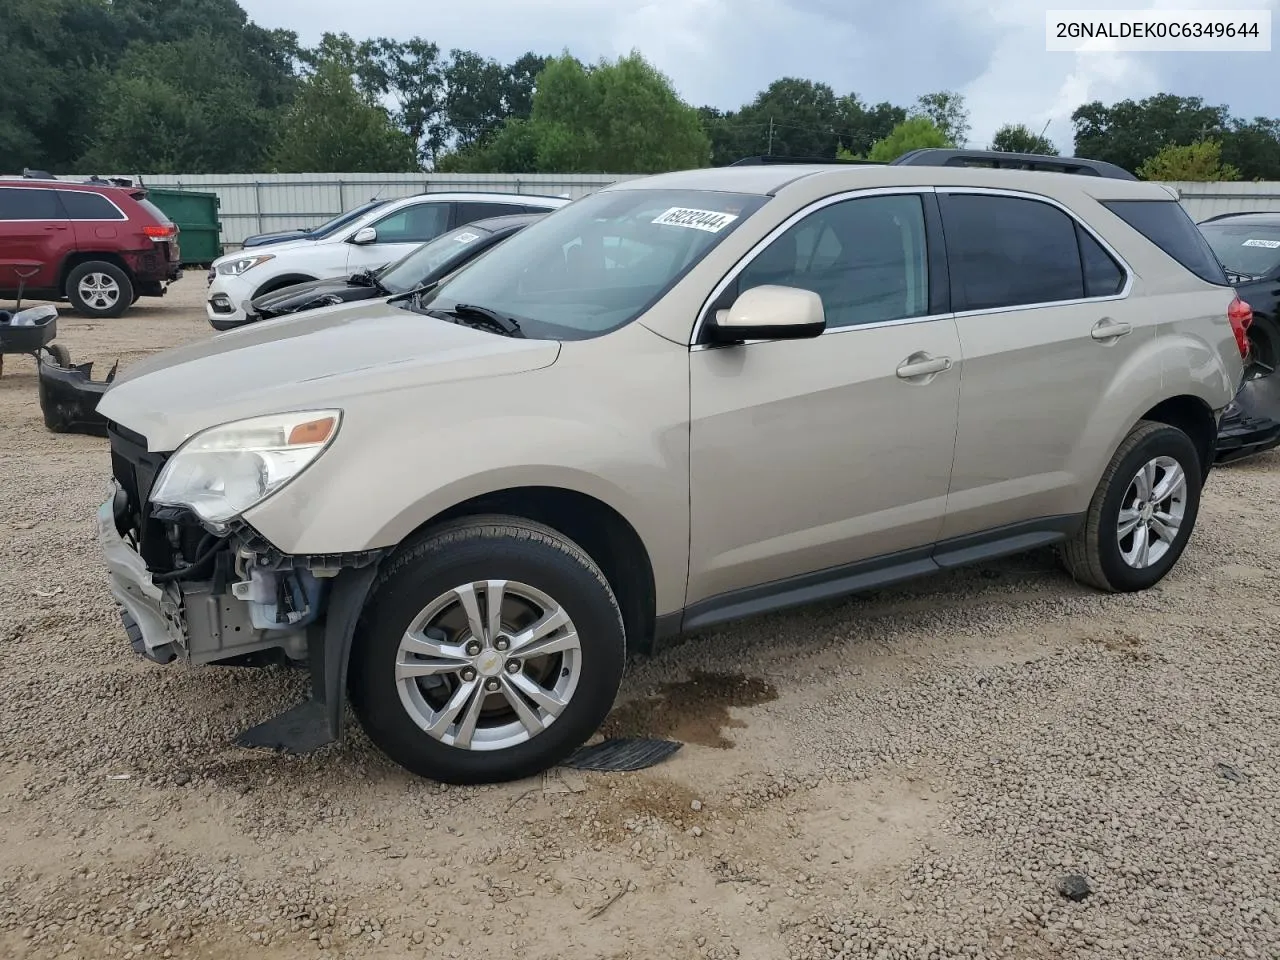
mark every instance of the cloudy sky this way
{"type": "Point", "coordinates": [721, 52]}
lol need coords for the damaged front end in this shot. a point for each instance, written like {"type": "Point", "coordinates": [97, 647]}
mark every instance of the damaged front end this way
{"type": "Point", "coordinates": [69, 396]}
{"type": "Point", "coordinates": [226, 596]}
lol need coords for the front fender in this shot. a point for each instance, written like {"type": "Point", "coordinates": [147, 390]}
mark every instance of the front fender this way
{"type": "Point", "coordinates": [403, 458]}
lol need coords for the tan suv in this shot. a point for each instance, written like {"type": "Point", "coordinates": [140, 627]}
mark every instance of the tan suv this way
{"type": "Point", "coordinates": [680, 400]}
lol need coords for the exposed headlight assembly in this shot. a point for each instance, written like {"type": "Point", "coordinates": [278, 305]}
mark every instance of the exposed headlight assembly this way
{"type": "Point", "coordinates": [233, 268]}
{"type": "Point", "coordinates": [221, 472]}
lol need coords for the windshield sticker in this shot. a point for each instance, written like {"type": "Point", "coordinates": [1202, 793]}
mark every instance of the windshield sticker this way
{"type": "Point", "coordinates": [466, 237]}
{"type": "Point", "coordinates": [709, 220]}
{"type": "Point", "coordinates": [1269, 244]}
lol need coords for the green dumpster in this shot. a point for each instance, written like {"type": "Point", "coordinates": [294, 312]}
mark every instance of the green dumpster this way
{"type": "Point", "coordinates": [196, 215]}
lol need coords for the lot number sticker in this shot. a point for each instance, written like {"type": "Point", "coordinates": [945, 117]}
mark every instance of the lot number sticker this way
{"type": "Point", "coordinates": [1269, 244]}
{"type": "Point", "coordinates": [466, 237]}
{"type": "Point", "coordinates": [709, 220]}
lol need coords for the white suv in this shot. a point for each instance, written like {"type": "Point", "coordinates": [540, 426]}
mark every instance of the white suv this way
{"type": "Point", "coordinates": [381, 236]}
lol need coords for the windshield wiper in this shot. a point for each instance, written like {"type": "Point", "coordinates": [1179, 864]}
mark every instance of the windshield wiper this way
{"type": "Point", "coordinates": [416, 293]}
{"type": "Point", "coordinates": [472, 315]}
{"type": "Point", "coordinates": [368, 278]}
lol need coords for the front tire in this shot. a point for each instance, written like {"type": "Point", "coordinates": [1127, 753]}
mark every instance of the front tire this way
{"type": "Point", "coordinates": [454, 687]}
{"type": "Point", "coordinates": [1142, 512]}
{"type": "Point", "coordinates": [99, 289]}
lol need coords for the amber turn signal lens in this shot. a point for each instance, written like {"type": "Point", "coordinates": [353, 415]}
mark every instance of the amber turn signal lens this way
{"type": "Point", "coordinates": [313, 431]}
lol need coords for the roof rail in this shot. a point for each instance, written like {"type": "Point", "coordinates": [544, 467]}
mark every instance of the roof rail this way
{"type": "Point", "coordinates": [999, 159]}
{"type": "Point", "coordinates": [1239, 213]}
{"type": "Point", "coordinates": [757, 161]}
{"type": "Point", "coordinates": [950, 157]}
{"type": "Point", "coordinates": [29, 174]}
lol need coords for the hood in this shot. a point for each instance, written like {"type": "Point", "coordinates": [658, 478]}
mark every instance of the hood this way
{"type": "Point", "coordinates": [300, 295]}
{"type": "Point", "coordinates": [277, 247]}
{"type": "Point", "coordinates": [305, 360]}
{"type": "Point", "coordinates": [263, 239]}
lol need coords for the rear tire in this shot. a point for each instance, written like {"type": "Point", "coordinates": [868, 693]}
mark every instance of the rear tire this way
{"type": "Point", "coordinates": [1142, 481]}
{"type": "Point", "coordinates": [515, 711]}
{"type": "Point", "coordinates": [99, 289]}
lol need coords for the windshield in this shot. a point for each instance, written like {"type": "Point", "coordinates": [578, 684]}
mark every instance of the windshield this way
{"type": "Point", "coordinates": [342, 219]}
{"type": "Point", "coordinates": [415, 268]}
{"type": "Point", "coordinates": [598, 263]}
{"type": "Point", "coordinates": [1247, 249]}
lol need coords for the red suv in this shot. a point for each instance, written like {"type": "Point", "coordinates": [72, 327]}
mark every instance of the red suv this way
{"type": "Point", "coordinates": [97, 244]}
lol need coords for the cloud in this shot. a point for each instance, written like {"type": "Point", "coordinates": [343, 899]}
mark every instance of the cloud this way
{"type": "Point", "coordinates": [722, 52]}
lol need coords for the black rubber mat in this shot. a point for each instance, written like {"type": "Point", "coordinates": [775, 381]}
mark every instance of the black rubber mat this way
{"type": "Point", "coordinates": [622, 755]}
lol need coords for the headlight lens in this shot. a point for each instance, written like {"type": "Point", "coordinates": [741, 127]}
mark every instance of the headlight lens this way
{"type": "Point", "coordinates": [233, 268]}
{"type": "Point", "coordinates": [221, 472]}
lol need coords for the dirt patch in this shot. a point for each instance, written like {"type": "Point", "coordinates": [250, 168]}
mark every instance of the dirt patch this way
{"type": "Point", "coordinates": [692, 711]}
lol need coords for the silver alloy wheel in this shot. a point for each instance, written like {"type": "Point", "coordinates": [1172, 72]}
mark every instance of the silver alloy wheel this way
{"type": "Point", "coordinates": [99, 290]}
{"type": "Point", "coordinates": [488, 665]}
{"type": "Point", "coordinates": [1151, 512]}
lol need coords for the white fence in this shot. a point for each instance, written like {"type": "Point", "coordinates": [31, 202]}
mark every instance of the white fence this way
{"type": "Point", "coordinates": [1204, 200]}
{"type": "Point", "coordinates": [258, 203]}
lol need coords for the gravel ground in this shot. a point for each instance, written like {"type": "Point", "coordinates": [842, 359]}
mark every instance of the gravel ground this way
{"type": "Point", "coordinates": [910, 774]}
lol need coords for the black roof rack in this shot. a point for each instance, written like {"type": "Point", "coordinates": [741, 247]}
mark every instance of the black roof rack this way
{"type": "Point", "coordinates": [29, 174]}
{"type": "Point", "coordinates": [821, 161]}
{"type": "Point", "coordinates": [1000, 160]}
{"type": "Point", "coordinates": [950, 157]}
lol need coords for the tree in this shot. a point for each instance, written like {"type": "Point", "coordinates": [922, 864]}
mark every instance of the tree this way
{"type": "Point", "coordinates": [1253, 147]}
{"type": "Point", "coordinates": [172, 108]}
{"type": "Point", "coordinates": [333, 127]}
{"type": "Point", "coordinates": [475, 97]}
{"type": "Point", "coordinates": [1019, 138]}
{"type": "Point", "coordinates": [948, 112]}
{"type": "Point", "coordinates": [797, 118]}
{"type": "Point", "coordinates": [614, 117]}
{"type": "Point", "coordinates": [913, 134]}
{"type": "Point", "coordinates": [1128, 133]}
{"type": "Point", "coordinates": [1196, 161]}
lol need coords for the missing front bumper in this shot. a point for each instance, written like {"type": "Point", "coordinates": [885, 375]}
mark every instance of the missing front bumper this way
{"type": "Point", "coordinates": [198, 623]}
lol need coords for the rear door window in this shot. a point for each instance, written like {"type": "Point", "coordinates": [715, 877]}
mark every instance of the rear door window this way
{"type": "Point", "coordinates": [26, 203]}
{"type": "Point", "coordinates": [81, 205]}
{"type": "Point", "coordinates": [1009, 252]}
{"type": "Point", "coordinates": [1168, 226]}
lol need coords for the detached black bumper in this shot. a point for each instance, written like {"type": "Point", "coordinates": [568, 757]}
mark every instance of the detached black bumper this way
{"type": "Point", "coordinates": [1252, 423]}
{"type": "Point", "coordinates": [69, 397]}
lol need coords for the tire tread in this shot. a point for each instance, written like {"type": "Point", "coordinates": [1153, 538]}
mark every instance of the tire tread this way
{"type": "Point", "coordinates": [1081, 555]}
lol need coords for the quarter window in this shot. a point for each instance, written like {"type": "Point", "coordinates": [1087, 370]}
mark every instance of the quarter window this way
{"type": "Point", "coordinates": [27, 203]}
{"type": "Point", "coordinates": [81, 205]}
{"type": "Point", "coordinates": [1168, 226]}
{"type": "Point", "coordinates": [865, 257]}
{"type": "Point", "coordinates": [1009, 251]}
{"type": "Point", "coordinates": [1103, 277]}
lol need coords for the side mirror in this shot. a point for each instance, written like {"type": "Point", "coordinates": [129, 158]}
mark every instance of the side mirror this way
{"type": "Point", "coordinates": [365, 235]}
{"type": "Point", "coordinates": [770, 313]}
